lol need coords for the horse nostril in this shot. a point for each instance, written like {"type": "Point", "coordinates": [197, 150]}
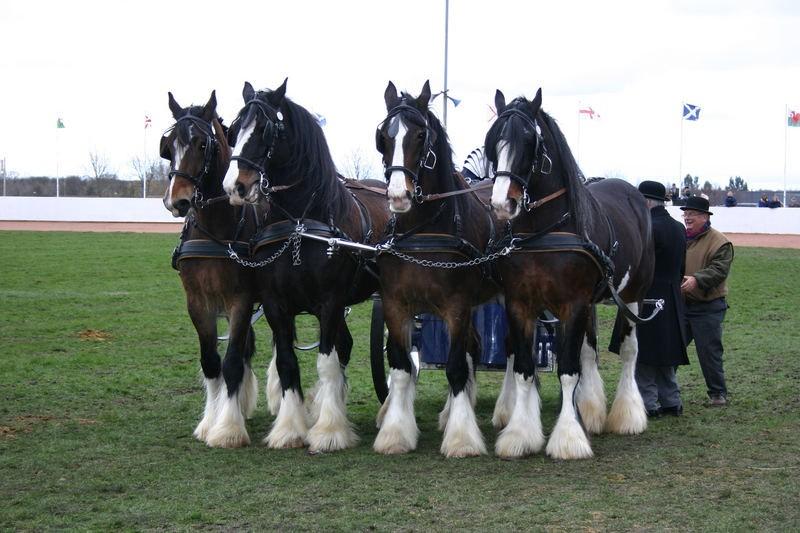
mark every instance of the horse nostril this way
{"type": "Point", "coordinates": [408, 195]}
{"type": "Point", "coordinates": [182, 206]}
{"type": "Point", "coordinates": [512, 205]}
{"type": "Point", "coordinates": [240, 189]}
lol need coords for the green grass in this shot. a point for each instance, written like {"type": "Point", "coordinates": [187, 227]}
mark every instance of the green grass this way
{"type": "Point", "coordinates": [100, 393]}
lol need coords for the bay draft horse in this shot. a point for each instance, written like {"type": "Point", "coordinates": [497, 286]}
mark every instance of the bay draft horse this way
{"type": "Point", "coordinates": [198, 151]}
{"type": "Point", "coordinates": [575, 243]}
{"type": "Point", "coordinates": [283, 158]}
{"type": "Point", "coordinates": [437, 219]}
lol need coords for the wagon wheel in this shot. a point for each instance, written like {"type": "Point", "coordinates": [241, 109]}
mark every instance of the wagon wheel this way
{"type": "Point", "coordinates": [377, 345]}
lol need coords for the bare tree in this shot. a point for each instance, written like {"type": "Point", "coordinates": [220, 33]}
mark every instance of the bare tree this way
{"type": "Point", "coordinates": [357, 165]}
{"type": "Point", "coordinates": [99, 165]}
{"type": "Point", "coordinates": [154, 171]}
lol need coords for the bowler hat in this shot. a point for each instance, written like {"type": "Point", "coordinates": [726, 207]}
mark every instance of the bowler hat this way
{"type": "Point", "coordinates": [696, 203]}
{"type": "Point", "coordinates": [653, 189]}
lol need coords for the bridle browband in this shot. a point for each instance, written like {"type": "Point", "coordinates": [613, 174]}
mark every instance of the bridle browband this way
{"type": "Point", "coordinates": [273, 129]}
{"type": "Point", "coordinates": [426, 161]}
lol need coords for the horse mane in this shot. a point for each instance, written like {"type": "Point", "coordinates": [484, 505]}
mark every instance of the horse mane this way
{"type": "Point", "coordinates": [311, 160]}
{"type": "Point", "coordinates": [580, 202]}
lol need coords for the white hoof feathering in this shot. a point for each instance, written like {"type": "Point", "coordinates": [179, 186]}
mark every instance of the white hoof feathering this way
{"type": "Point", "coordinates": [249, 389]}
{"type": "Point", "coordinates": [274, 390]}
{"type": "Point", "coordinates": [628, 415]}
{"type": "Point", "coordinates": [462, 437]}
{"type": "Point", "coordinates": [444, 414]}
{"type": "Point", "coordinates": [472, 384]}
{"type": "Point", "coordinates": [212, 387]}
{"type": "Point", "coordinates": [289, 429]}
{"type": "Point", "coordinates": [568, 440]}
{"type": "Point", "coordinates": [522, 434]}
{"type": "Point", "coordinates": [505, 402]}
{"type": "Point", "coordinates": [591, 396]}
{"type": "Point", "coordinates": [331, 431]}
{"type": "Point", "coordinates": [399, 432]}
{"type": "Point", "coordinates": [228, 430]}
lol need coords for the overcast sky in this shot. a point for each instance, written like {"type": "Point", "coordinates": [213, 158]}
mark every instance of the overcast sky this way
{"type": "Point", "coordinates": [101, 66]}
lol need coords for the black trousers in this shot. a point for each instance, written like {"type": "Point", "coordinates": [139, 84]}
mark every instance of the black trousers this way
{"type": "Point", "coordinates": [704, 325]}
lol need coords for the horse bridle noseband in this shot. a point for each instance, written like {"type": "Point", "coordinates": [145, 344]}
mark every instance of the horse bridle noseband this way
{"type": "Point", "coordinates": [540, 158]}
{"type": "Point", "coordinates": [426, 161]}
{"type": "Point", "coordinates": [273, 129]}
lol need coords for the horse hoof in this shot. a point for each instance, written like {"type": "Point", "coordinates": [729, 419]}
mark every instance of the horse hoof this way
{"type": "Point", "coordinates": [285, 442]}
{"type": "Point", "coordinates": [231, 440]}
{"type": "Point", "coordinates": [516, 445]}
{"type": "Point", "coordinates": [330, 442]}
{"type": "Point", "coordinates": [463, 452]}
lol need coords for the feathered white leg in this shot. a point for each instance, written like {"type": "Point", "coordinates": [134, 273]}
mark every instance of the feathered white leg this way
{"type": "Point", "coordinates": [471, 389]}
{"type": "Point", "coordinates": [274, 390]}
{"type": "Point", "coordinates": [522, 434]}
{"type": "Point", "coordinates": [628, 415]}
{"type": "Point", "coordinates": [212, 387]}
{"type": "Point", "coordinates": [399, 432]}
{"type": "Point", "coordinates": [229, 430]}
{"type": "Point", "coordinates": [505, 402]}
{"type": "Point", "coordinates": [331, 431]}
{"type": "Point", "coordinates": [590, 397]}
{"type": "Point", "coordinates": [568, 440]}
{"type": "Point", "coordinates": [462, 437]}
{"type": "Point", "coordinates": [249, 391]}
{"type": "Point", "coordinates": [289, 429]}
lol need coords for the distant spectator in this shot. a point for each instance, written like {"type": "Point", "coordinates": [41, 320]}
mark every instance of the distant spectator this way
{"type": "Point", "coordinates": [776, 202]}
{"type": "Point", "coordinates": [794, 201]}
{"type": "Point", "coordinates": [730, 199]}
{"type": "Point", "coordinates": [764, 201]}
{"type": "Point", "coordinates": [674, 193]}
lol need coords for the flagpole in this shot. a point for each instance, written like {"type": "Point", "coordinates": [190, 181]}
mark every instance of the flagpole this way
{"type": "Point", "coordinates": [785, 148]}
{"type": "Point", "coordinates": [446, 31]}
{"type": "Point", "coordinates": [58, 134]}
{"type": "Point", "coordinates": [144, 160]}
{"type": "Point", "coordinates": [579, 133]}
{"type": "Point", "coordinates": [680, 156]}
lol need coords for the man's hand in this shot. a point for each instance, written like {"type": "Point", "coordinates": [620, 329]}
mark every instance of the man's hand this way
{"type": "Point", "coordinates": [688, 284]}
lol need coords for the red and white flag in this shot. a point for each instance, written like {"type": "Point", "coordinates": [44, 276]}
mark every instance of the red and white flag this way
{"type": "Point", "coordinates": [589, 112]}
{"type": "Point", "coordinates": [793, 119]}
{"type": "Point", "coordinates": [147, 121]}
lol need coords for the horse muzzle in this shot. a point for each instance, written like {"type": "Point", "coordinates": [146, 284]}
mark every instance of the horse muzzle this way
{"type": "Point", "coordinates": [506, 210]}
{"type": "Point", "coordinates": [400, 203]}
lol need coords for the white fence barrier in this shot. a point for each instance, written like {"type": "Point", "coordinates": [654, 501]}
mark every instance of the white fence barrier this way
{"type": "Point", "coordinates": [782, 221]}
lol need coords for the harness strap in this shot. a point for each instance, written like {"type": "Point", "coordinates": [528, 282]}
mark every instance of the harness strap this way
{"type": "Point", "coordinates": [354, 184]}
{"type": "Point", "coordinates": [471, 190]}
{"type": "Point", "coordinates": [541, 201]}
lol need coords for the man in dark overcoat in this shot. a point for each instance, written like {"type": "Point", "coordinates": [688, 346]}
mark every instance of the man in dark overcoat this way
{"type": "Point", "coordinates": [662, 341]}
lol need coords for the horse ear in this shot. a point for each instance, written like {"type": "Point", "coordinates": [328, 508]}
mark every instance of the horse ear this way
{"type": "Point", "coordinates": [499, 101]}
{"type": "Point", "coordinates": [536, 104]}
{"type": "Point", "coordinates": [390, 96]}
{"type": "Point", "coordinates": [424, 97]}
{"type": "Point", "coordinates": [164, 148]}
{"type": "Point", "coordinates": [248, 93]}
{"type": "Point", "coordinates": [210, 109]}
{"type": "Point", "coordinates": [176, 109]}
{"type": "Point", "coordinates": [378, 140]}
{"type": "Point", "coordinates": [277, 96]}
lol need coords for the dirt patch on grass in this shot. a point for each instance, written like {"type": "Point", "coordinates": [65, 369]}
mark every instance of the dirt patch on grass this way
{"type": "Point", "coordinates": [94, 335]}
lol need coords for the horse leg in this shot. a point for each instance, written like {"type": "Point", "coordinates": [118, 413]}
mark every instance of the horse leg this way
{"type": "Point", "coordinates": [289, 429]}
{"type": "Point", "coordinates": [273, 388]}
{"type": "Point", "coordinates": [398, 428]}
{"type": "Point", "coordinates": [331, 431]}
{"type": "Point", "coordinates": [205, 322]}
{"type": "Point", "coordinates": [343, 347]}
{"type": "Point", "coordinates": [505, 401]}
{"type": "Point", "coordinates": [250, 384]}
{"type": "Point", "coordinates": [590, 395]}
{"type": "Point", "coordinates": [522, 434]}
{"type": "Point", "coordinates": [569, 440]}
{"type": "Point", "coordinates": [229, 430]}
{"type": "Point", "coordinates": [462, 436]}
{"type": "Point", "coordinates": [628, 415]}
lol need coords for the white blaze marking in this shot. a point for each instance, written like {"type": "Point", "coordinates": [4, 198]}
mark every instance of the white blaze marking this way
{"type": "Point", "coordinates": [502, 183]}
{"type": "Point", "coordinates": [179, 152]}
{"type": "Point", "coordinates": [397, 180]}
{"type": "Point", "coordinates": [233, 170]}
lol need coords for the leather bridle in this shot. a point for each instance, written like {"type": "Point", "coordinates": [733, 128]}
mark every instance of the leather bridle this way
{"type": "Point", "coordinates": [274, 129]}
{"type": "Point", "coordinates": [427, 158]}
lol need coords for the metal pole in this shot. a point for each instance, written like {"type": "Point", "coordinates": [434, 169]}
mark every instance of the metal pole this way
{"type": "Point", "coordinates": [58, 134]}
{"type": "Point", "coordinates": [785, 148]}
{"type": "Point", "coordinates": [144, 163]}
{"type": "Point", "coordinates": [4, 176]}
{"type": "Point", "coordinates": [446, 31]}
{"type": "Point", "coordinates": [680, 157]}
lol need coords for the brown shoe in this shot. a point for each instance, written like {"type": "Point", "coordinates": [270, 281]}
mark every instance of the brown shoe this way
{"type": "Point", "coordinates": [717, 400]}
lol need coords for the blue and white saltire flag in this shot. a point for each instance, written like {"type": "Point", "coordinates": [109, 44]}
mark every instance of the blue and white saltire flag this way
{"type": "Point", "coordinates": [691, 112]}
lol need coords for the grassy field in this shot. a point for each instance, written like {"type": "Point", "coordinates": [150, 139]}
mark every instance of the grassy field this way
{"type": "Point", "coordinates": [100, 392]}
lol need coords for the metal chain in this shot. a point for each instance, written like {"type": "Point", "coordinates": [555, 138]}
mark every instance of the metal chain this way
{"type": "Point", "coordinates": [294, 239]}
{"type": "Point", "coordinates": [449, 264]}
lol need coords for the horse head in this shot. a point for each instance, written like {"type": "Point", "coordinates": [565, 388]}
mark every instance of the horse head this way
{"type": "Point", "coordinates": [408, 139]}
{"type": "Point", "coordinates": [197, 149]}
{"type": "Point", "coordinates": [256, 135]}
{"type": "Point", "coordinates": [516, 149]}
